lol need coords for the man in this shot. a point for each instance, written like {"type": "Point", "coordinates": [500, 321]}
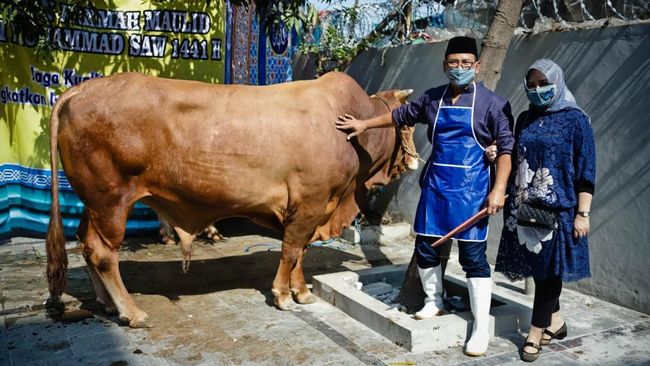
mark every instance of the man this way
{"type": "Point", "coordinates": [463, 119]}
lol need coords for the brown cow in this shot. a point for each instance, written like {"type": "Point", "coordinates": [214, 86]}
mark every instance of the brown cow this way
{"type": "Point", "coordinates": [197, 153]}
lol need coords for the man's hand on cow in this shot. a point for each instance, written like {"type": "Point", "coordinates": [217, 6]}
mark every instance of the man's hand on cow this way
{"type": "Point", "coordinates": [491, 152]}
{"type": "Point", "coordinates": [495, 201]}
{"type": "Point", "coordinates": [349, 123]}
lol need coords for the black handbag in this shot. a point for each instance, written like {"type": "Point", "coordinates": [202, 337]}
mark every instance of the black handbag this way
{"type": "Point", "coordinates": [534, 215]}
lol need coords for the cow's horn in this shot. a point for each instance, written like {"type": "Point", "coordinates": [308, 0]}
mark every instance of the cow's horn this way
{"type": "Point", "coordinates": [403, 94]}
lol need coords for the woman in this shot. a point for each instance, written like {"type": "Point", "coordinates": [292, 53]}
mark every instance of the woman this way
{"type": "Point", "coordinates": [550, 190]}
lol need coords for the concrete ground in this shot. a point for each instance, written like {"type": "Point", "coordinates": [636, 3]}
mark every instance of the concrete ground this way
{"type": "Point", "coordinates": [220, 313]}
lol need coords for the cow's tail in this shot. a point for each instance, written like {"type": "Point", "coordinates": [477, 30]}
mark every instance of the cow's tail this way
{"type": "Point", "coordinates": [57, 260]}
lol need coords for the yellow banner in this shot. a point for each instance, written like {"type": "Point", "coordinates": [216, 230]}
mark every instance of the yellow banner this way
{"type": "Point", "coordinates": [175, 39]}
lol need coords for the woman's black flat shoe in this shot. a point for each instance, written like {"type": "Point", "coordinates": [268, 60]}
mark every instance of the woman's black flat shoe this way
{"type": "Point", "coordinates": [559, 334]}
{"type": "Point", "coordinates": [528, 356]}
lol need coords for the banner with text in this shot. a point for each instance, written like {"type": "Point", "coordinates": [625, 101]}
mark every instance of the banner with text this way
{"type": "Point", "coordinates": [174, 39]}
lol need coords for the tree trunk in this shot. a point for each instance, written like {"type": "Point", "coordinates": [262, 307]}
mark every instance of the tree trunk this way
{"type": "Point", "coordinates": [493, 53]}
{"type": "Point", "coordinates": [496, 41]}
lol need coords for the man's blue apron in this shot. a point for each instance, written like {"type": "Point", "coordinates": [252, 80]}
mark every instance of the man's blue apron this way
{"type": "Point", "coordinates": [456, 180]}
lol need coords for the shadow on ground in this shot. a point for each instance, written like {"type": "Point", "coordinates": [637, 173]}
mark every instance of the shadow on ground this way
{"type": "Point", "coordinates": [255, 270]}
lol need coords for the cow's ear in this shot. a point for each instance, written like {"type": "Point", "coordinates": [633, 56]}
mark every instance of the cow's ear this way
{"type": "Point", "coordinates": [403, 94]}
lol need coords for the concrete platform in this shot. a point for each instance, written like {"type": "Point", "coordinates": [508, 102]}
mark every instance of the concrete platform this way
{"type": "Point", "coordinates": [508, 314]}
{"type": "Point", "coordinates": [220, 313]}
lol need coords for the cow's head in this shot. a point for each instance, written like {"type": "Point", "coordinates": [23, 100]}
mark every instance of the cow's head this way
{"type": "Point", "coordinates": [407, 158]}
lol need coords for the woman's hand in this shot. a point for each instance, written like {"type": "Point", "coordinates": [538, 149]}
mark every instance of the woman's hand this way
{"type": "Point", "coordinates": [491, 152]}
{"type": "Point", "coordinates": [349, 123]}
{"type": "Point", "coordinates": [580, 226]}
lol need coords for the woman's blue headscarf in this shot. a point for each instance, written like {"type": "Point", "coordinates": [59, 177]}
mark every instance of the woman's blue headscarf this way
{"type": "Point", "coordinates": [563, 98]}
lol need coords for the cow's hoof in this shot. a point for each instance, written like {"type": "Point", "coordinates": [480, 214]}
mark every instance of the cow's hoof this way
{"type": "Point", "coordinates": [54, 307]}
{"type": "Point", "coordinates": [305, 298]}
{"type": "Point", "coordinates": [216, 237]}
{"type": "Point", "coordinates": [284, 302]}
{"type": "Point", "coordinates": [139, 324]}
{"type": "Point", "coordinates": [139, 321]}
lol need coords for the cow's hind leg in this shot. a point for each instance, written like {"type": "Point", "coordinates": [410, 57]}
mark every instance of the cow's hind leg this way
{"type": "Point", "coordinates": [101, 238]}
{"type": "Point", "coordinates": [103, 297]}
{"type": "Point", "coordinates": [301, 293]}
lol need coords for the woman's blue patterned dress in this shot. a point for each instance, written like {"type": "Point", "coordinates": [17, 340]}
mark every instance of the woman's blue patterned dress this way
{"type": "Point", "coordinates": [554, 154]}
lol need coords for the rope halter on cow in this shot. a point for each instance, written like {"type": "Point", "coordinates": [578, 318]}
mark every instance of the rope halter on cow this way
{"type": "Point", "coordinates": [405, 148]}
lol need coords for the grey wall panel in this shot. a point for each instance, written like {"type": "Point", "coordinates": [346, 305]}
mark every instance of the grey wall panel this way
{"type": "Point", "coordinates": [608, 71]}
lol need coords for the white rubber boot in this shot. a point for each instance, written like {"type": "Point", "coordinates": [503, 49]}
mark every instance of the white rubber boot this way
{"type": "Point", "coordinates": [432, 285]}
{"type": "Point", "coordinates": [480, 296]}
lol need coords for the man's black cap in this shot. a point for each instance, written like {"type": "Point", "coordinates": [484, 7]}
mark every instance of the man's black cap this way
{"type": "Point", "coordinates": [462, 45]}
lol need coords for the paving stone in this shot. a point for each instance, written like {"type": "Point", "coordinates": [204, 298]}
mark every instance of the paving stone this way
{"type": "Point", "coordinates": [4, 351]}
{"type": "Point", "coordinates": [513, 358]}
{"type": "Point", "coordinates": [31, 350]}
{"type": "Point", "coordinates": [99, 341]}
{"type": "Point", "coordinates": [112, 357]}
{"type": "Point", "coordinates": [4, 358]}
{"type": "Point", "coordinates": [221, 313]}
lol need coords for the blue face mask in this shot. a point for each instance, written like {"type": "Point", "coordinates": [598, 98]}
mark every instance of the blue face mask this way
{"type": "Point", "coordinates": [541, 96]}
{"type": "Point", "coordinates": [461, 77]}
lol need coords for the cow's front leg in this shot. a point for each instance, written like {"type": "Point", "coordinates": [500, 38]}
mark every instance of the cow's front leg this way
{"type": "Point", "coordinates": [281, 290]}
{"type": "Point", "coordinates": [213, 233]}
{"type": "Point", "coordinates": [301, 224]}
{"type": "Point", "coordinates": [301, 293]}
{"type": "Point", "coordinates": [166, 232]}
